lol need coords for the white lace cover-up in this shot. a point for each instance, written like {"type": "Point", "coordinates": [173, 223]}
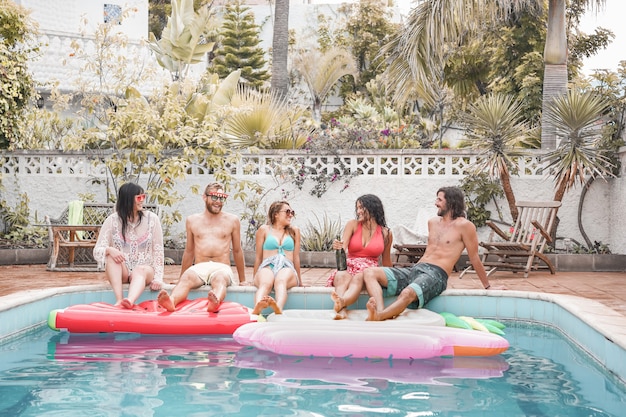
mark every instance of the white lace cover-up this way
{"type": "Point", "coordinates": [143, 244]}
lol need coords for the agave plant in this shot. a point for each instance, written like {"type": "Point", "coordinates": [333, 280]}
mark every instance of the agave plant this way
{"type": "Point", "coordinates": [320, 237]}
{"type": "Point", "coordinates": [577, 118]}
{"type": "Point", "coordinates": [185, 40]}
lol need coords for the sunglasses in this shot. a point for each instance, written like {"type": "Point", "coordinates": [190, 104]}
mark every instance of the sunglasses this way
{"type": "Point", "coordinates": [221, 197]}
{"type": "Point", "coordinates": [289, 212]}
{"type": "Point", "coordinates": [140, 198]}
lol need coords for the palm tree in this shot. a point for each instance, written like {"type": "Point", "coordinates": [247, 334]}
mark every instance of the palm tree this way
{"type": "Point", "coordinates": [578, 158]}
{"type": "Point", "coordinates": [496, 130]}
{"type": "Point", "coordinates": [264, 120]}
{"type": "Point", "coordinates": [576, 117]}
{"type": "Point", "coordinates": [280, 49]}
{"type": "Point", "coordinates": [321, 71]}
{"type": "Point", "coordinates": [435, 26]}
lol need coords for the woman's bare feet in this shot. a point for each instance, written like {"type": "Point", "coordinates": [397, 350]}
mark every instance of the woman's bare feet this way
{"type": "Point", "coordinates": [213, 303]}
{"type": "Point", "coordinates": [340, 306]}
{"type": "Point", "coordinates": [165, 301]}
{"type": "Point", "coordinates": [272, 303]}
{"type": "Point", "coordinates": [265, 302]}
{"type": "Point", "coordinates": [126, 303]}
{"type": "Point", "coordinates": [372, 314]}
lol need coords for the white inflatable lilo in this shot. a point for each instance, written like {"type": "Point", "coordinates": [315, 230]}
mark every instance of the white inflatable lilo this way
{"type": "Point", "coordinates": [415, 334]}
{"type": "Point", "coordinates": [356, 374]}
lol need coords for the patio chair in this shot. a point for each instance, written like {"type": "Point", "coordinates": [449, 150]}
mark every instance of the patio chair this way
{"type": "Point", "coordinates": [522, 248]}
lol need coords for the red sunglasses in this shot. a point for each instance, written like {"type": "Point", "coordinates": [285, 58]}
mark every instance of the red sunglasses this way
{"type": "Point", "coordinates": [140, 198]}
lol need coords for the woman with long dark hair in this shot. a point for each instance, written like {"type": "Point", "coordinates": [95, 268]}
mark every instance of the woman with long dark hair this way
{"type": "Point", "coordinates": [130, 245]}
{"type": "Point", "coordinates": [277, 262]}
{"type": "Point", "coordinates": [367, 241]}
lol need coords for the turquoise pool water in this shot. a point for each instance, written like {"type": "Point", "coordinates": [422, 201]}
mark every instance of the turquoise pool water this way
{"type": "Point", "coordinates": [44, 373]}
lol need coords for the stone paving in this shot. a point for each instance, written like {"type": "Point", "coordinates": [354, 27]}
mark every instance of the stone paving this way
{"type": "Point", "coordinates": [607, 288]}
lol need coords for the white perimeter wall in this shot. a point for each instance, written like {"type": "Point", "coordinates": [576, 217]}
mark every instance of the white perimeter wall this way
{"type": "Point", "coordinates": [52, 180]}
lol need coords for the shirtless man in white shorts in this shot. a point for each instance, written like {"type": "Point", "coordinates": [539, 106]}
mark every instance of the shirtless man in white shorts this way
{"type": "Point", "coordinates": [206, 260]}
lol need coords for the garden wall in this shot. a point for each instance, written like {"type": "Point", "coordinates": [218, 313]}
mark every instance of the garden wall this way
{"type": "Point", "coordinates": [406, 182]}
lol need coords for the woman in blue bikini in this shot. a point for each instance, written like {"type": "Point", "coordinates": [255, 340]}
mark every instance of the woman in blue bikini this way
{"type": "Point", "coordinates": [277, 262]}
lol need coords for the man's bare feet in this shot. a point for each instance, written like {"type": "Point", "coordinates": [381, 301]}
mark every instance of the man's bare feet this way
{"type": "Point", "coordinates": [165, 301]}
{"type": "Point", "coordinates": [126, 303]}
{"type": "Point", "coordinates": [372, 314]}
{"type": "Point", "coordinates": [341, 315]}
{"type": "Point", "coordinates": [340, 304]}
{"type": "Point", "coordinates": [213, 303]}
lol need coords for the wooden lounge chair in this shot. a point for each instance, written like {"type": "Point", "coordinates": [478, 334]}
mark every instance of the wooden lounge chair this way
{"type": "Point", "coordinates": [522, 248]}
{"type": "Point", "coordinates": [73, 235]}
{"type": "Point", "coordinates": [408, 255]}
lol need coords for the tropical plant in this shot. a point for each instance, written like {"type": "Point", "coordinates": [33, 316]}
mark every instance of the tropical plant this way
{"type": "Point", "coordinates": [17, 46]}
{"type": "Point", "coordinates": [479, 190]}
{"type": "Point", "coordinates": [238, 48]}
{"type": "Point", "coordinates": [321, 71]}
{"type": "Point", "coordinates": [19, 228]}
{"type": "Point", "coordinates": [495, 128]}
{"type": "Point", "coordinates": [264, 120]}
{"type": "Point", "coordinates": [436, 28]}
{"type": "Point", "coordinates": [106, 70]}
{"type": "Point", "coordinates": [186, 39]}
{"type": "Point", "coordinates": [320, 236]}
{"type": "Point", "coordinates": [578, 156]}
{"type": "Point", "coordinates": [367, 28]}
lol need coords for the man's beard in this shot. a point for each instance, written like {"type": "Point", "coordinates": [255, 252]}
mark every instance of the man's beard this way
{"type": "Point", "coordinates": [213, 210]}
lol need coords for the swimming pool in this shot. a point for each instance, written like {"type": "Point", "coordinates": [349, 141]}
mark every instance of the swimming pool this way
{"type": "Point", "coordinates": [46, 373]}
{"type": "Point", "coordinates": [164, 387]}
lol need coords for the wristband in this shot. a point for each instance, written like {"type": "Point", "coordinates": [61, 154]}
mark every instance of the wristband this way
{"type": "Point", "coordinates": [488, 286]}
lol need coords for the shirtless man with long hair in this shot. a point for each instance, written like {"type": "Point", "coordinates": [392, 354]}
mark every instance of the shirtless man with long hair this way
{"type": "Point", "coordinates": [449, 233]}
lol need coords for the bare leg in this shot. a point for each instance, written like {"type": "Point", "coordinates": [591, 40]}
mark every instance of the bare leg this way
{"type": "Point", "coordinates": [285, 279]}
{"type": "Point", "coordinates": [353, 292]}
{"type": "Point", "coordinates": [188, 281]}
{"type": "Point", "coordinates": [372, 311]}
{"type": "Point", "coordinates": [217, 293]}
{"type": "Point", "coordinates": [340, 306]}
{"type": "Point", "coordinates": [376, 313]}
{"type": "Point", "coordinates": [342, 280]}
{"type": "Point", "coordinates": [375, 279]}
{"type": "Point", "coordinates": [264, 281]}
{"type": "Point", "coordinates": [141, 276]}
{"type": "Point", "coordinates": [114, 273]}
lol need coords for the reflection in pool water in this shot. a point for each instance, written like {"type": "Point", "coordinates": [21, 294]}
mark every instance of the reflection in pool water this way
{"type": "Point", "coordinates": [47, 373]}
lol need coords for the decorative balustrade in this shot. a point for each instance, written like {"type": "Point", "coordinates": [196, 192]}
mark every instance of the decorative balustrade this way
{"type": "Point", "coordinates": [388, 163]}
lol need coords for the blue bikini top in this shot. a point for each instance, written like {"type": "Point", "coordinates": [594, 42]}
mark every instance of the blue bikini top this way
{"type": "Point", "coordinates": [271, 243]}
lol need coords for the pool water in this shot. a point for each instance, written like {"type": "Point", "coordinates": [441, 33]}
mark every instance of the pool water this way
{"type": "Point", "coordinates": [44, 373]}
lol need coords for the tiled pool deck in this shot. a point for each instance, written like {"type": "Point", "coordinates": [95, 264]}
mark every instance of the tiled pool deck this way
{"type": "Point", "coordinates": [588, 307]}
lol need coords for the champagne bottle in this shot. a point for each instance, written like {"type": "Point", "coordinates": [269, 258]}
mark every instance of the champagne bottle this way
{"type": "Point", "coordinates": [340, 257]}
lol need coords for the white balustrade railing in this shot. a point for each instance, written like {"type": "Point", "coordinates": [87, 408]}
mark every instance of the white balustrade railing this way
{"type": "Point", "coordinates": [390, 163]}
{"type": "Point", "coordinates": [405, 180]}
